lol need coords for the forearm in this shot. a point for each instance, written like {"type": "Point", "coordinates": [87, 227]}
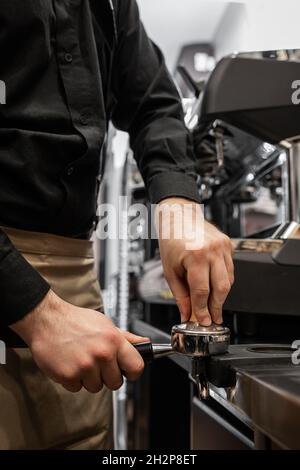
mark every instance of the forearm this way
{"type": "Point", "coordinates": [21, 286]}
{"type": "Point", "coordinates": [148, 106]}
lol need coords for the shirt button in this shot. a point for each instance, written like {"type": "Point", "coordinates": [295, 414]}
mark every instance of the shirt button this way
{"type": "Point", "coordinates": [68, 57]}
{"type": "Point", "coordinates": [84, 118]}
{"type": "Point", "coordinates": [70, 170]}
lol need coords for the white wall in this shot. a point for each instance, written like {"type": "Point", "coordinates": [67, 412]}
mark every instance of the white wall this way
{"type": "Point", "coordinates": [231, 33]}
{"type": "Point", "coordinates": [259, 25]}
{"type": "Point", "coordinates": [241, 25]}
{"type": "Point", "coordinates": [172, 23]}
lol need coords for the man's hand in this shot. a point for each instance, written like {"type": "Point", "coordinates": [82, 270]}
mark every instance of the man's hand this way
{"type": "Point", "coordinates": [79, 347]}
{"type": "Point", "coordinates": [199, 271]}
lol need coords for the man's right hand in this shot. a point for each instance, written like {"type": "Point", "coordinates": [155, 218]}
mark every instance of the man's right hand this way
{"type": "Point", "coordinates": [79, 347]}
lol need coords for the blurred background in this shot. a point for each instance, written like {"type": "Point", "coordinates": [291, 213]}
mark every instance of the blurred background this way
{"type": "Point", "coordinates": [230, 26]}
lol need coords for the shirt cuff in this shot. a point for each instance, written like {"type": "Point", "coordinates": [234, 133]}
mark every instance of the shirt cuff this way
{"type": "Point", "coordinates": [172, 184]}
{"type": "Point", "coordinates": [22, 288]}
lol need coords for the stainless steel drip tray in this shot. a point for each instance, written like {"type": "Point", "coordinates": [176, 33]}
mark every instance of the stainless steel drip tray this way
{"type": "Point", "coordinates": [260, 381]}
{"type": "Point", "coordinates": [273, 349]}
{"type": "Point", "coordinates": [222, 370]}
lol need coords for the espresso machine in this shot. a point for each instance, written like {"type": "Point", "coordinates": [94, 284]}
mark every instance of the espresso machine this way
{"type": "Point", "coordinates": [254, 94]}
{"type": "Point", "coordinates": [247, 127]}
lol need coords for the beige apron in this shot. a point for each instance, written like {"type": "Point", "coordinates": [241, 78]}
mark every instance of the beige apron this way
{"type": "Point", "coordinates": [36, 413]}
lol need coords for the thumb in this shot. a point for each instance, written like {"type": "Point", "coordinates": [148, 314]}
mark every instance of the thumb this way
{"type": "Point", "coordinates": [133, 339]}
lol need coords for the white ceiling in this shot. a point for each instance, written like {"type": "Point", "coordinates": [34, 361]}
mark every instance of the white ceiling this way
{"type": "Point", "coordinates": [171, 23]}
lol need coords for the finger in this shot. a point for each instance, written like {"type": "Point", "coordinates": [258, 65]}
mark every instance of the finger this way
{"type": "Point", "coordinates": [92, 381]}
{"type": "Point", "coordinates": [185, 308]}
{"type": "Point", "coordinates": [72, 387]}
{"type": "Point", "coordinates": [181, 294]}
{"type": "Point", "coordinates": [111, 375]}
{"type": "Point", "coordinates": [220, 286]}
{"type": "Point", "coordinates": [198, 280]}
{"type": "Point", "coordinates": [133, 339]}
{"type": "Point", "coordinates": [230, 267]}
{"type": "Point", "coordinates": [130, 361]}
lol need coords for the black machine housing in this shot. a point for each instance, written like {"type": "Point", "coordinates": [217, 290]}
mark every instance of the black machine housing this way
{"type": "Point", "coordinates": [256, 94]}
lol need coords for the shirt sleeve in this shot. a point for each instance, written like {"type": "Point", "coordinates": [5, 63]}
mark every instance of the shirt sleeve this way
{"type": "Point", "coordinates": [148, 106]}
{"type": "Point", "coordinates": [21, 286]}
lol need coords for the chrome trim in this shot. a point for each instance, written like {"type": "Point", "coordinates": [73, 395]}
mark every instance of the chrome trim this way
{"type": "Point", "coordinates": [268, 245]}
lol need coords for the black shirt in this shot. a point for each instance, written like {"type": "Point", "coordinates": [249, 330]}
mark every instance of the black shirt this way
{"type": "Point", "coordinates": [69, 67]}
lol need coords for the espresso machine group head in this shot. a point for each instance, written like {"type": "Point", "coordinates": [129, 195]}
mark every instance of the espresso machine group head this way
{"type": "Point", "coordinates": [192, 340]}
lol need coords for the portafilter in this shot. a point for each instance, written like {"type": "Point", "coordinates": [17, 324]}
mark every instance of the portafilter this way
{"type": "Point", "coordinates": [193, 340]}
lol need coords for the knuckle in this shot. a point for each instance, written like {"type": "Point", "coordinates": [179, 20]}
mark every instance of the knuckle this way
{"type": "Point", "coordinates": [106, 354]}
{"type": "Point", "coordinates": [223, 288]}
{"type": "Point", "coordinates": [67, 376]}
{"type": "Point", "coordinates": [200, 292]}
{"type": "Point", "coordinates": [222, 242]}
{"type": "Point", "coordinates": [196, 256]}
{"type": "Point", "coordinates": [226, 239]}
{"type": "Point", "coordinates": [227, 243]}
{"type": "Point", "coordinates": [216, 244]}
{"type": "Point", "coordinates": [73, 388]}
{"type": "Point", "coordinates": [86, 365]}
{"type": "Point", "coordinates": [201, 253]}
{"type": "Point", "coordinates": [95, 388]}
{"type": "Point", "coordinates": [112, 335]}
{"type": "Point", "coordinates": [116, 385]}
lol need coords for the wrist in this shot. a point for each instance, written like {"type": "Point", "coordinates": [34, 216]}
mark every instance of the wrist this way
{"type": "Point", "coordinates": [178, 200]}
{"type": "Point", "coordinates": [180, 219]}
{"type": "Point", "coordinates": [27, 327]}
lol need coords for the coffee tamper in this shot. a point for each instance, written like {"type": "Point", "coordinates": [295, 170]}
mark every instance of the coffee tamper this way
{"type": "Point", "coordinates": [193, 340]}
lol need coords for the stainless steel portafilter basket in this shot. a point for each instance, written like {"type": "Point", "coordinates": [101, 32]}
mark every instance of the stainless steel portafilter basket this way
{"type": "Point", "coordinates": [193, 340]}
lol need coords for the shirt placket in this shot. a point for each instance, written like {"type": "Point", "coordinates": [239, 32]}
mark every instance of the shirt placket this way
{"type": "Point", "coordinates": [80, 76]}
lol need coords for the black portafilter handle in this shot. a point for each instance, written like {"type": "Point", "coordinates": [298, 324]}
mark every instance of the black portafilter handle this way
{"type": "Point", "coordinates": [146, 351]}
{"type": "Point", "coordinates": [150, 351]}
